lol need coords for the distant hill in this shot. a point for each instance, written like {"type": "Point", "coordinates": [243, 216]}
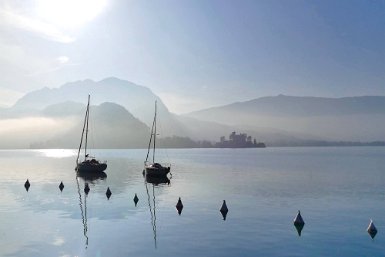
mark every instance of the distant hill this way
{"type": "Point", "coordinates": [138, 100]}
{"type": "Point", "coordinates": [283, 105]}
{"type": "Point", "coordinates": [348, 118]}
{"type": "Point", "coordinates": [111, 126]}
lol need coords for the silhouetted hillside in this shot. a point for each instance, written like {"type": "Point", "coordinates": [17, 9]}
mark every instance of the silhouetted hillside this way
{"type": "Point", "coordinates": [111, 126]}
{"type": "Point", "coordinates": [348, 119]}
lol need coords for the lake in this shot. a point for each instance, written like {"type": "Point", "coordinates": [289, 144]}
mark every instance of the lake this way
{"type": "Point", "coordinates": [337, 189]}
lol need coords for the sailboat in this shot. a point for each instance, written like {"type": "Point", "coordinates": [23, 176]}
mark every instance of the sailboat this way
{"type": "Point", "coordinates": [89, 164]}
{"type": "Point", "coordinates": [152, 168]}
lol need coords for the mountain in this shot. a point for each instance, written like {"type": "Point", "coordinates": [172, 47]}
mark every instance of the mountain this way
{"type": "Point", "coordinates": [282, 105]}
{"type": "Point", "coordinates": [348, 118]}
{"type": "Point", "coordinates": [111, 126]}
{"type": "Point", "coordinates": [138, 100]}
{"type": "Point", "coordinates": [123, 113]}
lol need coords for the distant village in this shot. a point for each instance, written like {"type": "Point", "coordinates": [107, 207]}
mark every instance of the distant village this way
{"type": "Point", "coordinates": [235, 140]}
{"type": "Point", "coordinates": [241, 140]}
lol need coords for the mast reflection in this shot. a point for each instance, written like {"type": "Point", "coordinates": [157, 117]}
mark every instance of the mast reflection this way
{"type": "Point", "coordinates": [154, 181]}
{"type": "Point", "coordinates": [86, 177]}
{"type": "Point", "coordinates": [83, 211]}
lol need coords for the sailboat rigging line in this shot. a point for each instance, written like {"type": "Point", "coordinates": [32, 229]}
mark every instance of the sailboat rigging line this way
{"type": "Point", "coordinates": [158, 123]}
{"type": "Point", "coordinates": [88, 164]}
{"type": "Point", "coordinates": [149, 143]}
{"type": "Point", "coordinates": [88, 116]}
{"type": "Point", "coordinates": [84, 127]}
{"type": "Point", "coordinates": [84, 216]}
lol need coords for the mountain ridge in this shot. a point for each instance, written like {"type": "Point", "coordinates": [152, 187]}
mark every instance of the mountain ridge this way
{"type": "Point", "coordinates": [360, 118]}
{"type": "Point", "coordinates": [138, 100]}
{"type": "Point", "coordinates": [370, 103]}
{"type": "Point", "coordinates": [277, 120]}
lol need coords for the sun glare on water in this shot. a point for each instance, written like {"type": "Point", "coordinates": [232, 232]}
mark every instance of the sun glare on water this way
{"type": "Point", "coordinates": [69, 13]}
{"type": "Point", "coordinates": [58, 153]}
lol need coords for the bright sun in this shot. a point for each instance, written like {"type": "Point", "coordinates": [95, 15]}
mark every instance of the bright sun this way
{"type": "Point", "coordinates": [69, 13]}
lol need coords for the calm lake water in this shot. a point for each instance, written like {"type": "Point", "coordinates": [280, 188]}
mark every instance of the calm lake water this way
{"type": "Point", "coordinates": [338, 191]}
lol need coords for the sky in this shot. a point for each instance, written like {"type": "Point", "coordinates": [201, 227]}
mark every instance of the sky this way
{"type": "Point", "coordinates": [196, 54]}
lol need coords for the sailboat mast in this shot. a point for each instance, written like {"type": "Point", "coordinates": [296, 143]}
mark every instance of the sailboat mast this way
{"type": "Point", "coordinates": [153, 155]}
{"type": "Point", "coordinates": [84, 126]}
{"type": "Point", "coordinates": [87, 116]}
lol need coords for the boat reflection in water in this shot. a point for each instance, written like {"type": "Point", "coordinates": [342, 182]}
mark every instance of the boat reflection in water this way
{"type": "Point", "coordinates": [86, 177]}
{"type": "Point", "coordinates": [155, 182]}
{"type": "Point", "coordinates": [91, 176]}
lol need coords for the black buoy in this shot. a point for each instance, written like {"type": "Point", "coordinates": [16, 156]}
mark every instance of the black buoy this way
{"type": "Point", "coordinates": [86, 189]}
{"type": "Point", "coordinates": [299, 223]}
{"type": "Point", "coordinates": [179, 206]}
{"type": "Point", "coordinates": [108, 193]}
{"type": "Point", "coordinates": [27, 185]}
{"type": "Point", "coordinates": [61, 186]}
{"type": "Point", "coordinates": [224, 210]}
{"type": "Point", "coordinates": [372, 230]}
{"type": "Point", "coordinates": [136, 199]}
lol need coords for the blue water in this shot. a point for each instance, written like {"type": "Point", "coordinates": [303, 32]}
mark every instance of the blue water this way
{"type": "Point", "coordinates": [338, 191]}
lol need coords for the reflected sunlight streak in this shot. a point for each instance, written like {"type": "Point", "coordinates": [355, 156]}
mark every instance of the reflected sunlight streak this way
{"type": "Point", "coordinates": [58, 153]}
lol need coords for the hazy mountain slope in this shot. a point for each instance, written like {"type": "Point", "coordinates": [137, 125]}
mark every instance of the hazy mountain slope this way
{"type": "Point", "coordinates": [60, 126]}
{"type": "Point", "coordinates": [138, 100]}
{"type": "Point", "coordinates": [212, 131]}
{"type": "Point", "coordinates": [52, 117]}
{"type": "Point", "coordinates": [302, 106]}
{"type": "Point", "coordinates": [349, 118]}
{"type": "Point", "coordinates": [110, 126]}
{"type": "Point", "coordinates": [64, 109]}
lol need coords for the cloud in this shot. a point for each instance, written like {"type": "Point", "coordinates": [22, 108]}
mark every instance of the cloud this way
{"type": "Point", "coordinates": [9, 17]}
{"type": "Point", "coordinates": [8, 97]}
{"type": "Point", "coordinates": [52, 66]}
{"type": "Point", "coordinates": [63, 59]}
{"type": "Point", "coordinates": [16, 59]}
